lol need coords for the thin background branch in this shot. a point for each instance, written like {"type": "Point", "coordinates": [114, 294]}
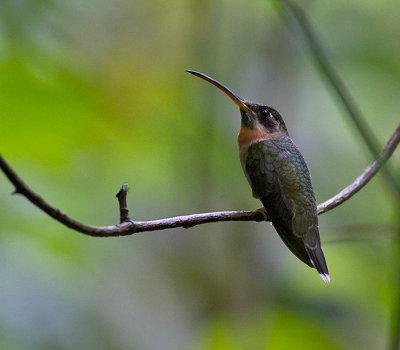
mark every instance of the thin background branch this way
{"type": "Point", "coordinates": [292, 10]}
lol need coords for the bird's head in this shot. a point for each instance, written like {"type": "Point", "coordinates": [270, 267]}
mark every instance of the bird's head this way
{"type": "Point", "coordinates": [254, 115]}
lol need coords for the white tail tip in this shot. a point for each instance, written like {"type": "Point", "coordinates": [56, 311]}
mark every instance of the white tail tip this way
{"type": "Point", "coordinates": [325, 277]}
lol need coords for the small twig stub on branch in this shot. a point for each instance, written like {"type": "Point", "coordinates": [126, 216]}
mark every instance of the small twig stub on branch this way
{"type": "Point", "coordinates": [123, 207]}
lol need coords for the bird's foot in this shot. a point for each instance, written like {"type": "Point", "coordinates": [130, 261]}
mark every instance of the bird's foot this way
{"type": "Point", "coordinates": [263, 213]}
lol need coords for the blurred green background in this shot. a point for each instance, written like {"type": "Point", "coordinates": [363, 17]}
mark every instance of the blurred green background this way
{"type": "Point", "coordinates": [93, 94]}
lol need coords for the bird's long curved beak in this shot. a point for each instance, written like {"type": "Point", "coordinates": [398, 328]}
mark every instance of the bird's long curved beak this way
{"type": "Point", "coordinates": [238, 101]}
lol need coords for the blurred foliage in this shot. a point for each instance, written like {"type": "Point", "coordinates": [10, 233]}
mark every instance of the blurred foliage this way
{"type": "Point", "coordinates": [93, 94]}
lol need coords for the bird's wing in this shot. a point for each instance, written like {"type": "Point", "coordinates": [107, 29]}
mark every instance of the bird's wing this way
{"type": "Point", "coordinates": [264, 174]}
{"type": "Point", "coordinates": [297, 193]}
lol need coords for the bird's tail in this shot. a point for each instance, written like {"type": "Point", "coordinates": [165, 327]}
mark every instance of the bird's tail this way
{"type": "Point", "coordinates": [316, 255]}
{"type": "Point", "coordinates": [307, 248]}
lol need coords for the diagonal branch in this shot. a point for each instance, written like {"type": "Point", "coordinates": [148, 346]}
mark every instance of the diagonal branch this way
{"type": "Point", "coordinates": [364, 178]}
{"type": "Point", "coordinates": [128, 227]}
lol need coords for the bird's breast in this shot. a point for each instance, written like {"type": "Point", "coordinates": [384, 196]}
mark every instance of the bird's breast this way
{"type": "Point", "coordinates": [246, 138]}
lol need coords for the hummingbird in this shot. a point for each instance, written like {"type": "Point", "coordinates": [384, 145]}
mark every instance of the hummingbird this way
{"type": "Point", "coordinates": [279, 177]}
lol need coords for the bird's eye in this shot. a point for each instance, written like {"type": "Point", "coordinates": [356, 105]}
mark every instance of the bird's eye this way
{"type": "Point", "coordinates": [266, 113]}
